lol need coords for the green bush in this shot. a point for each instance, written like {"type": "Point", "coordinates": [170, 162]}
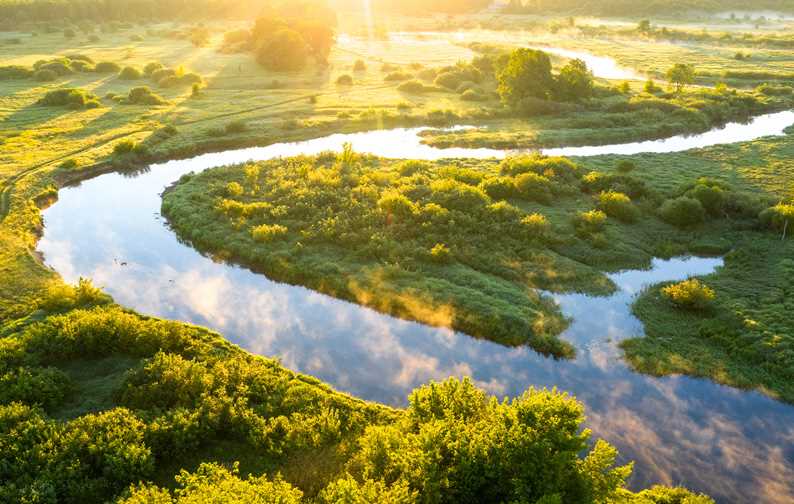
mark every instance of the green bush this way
{"type": "Point", "coordinates": [359, 66]}
{"type": "Point", "coordinates": [534, 187]}
{"type": "Point", "coordinates": [683, 212]}
{"type": "Point", "coordinates": [618, 205]}
{"type": "Point", "coordinates": [499, 188]}
{"type": "Point", "coordinates": [69, 97]}
{"type": "Point", "coordinates": [130, 73]}
{"type": "Point", "coordinates": [152, 67]}
{"type": "Point", "coordinates": [142, 95]}
{"type": "Point", "coordinates": [412, 86]}
{"type": "Point", "coordinates": [397, 76]}
{"type": "Point", "coordinates": [457, 445]}
{"type": "Point", "coordinates": [107, 67]}
{"type": "Point", "coordinates": [591, 222]}
{"type": "Point", "coordinates": [235, 127]}
{"type": "Point", "coordinates": [690, 294]}
{"type": "Point", "coordinates": [344, 80]}
{"type": "Point", "coordinates": [124, 147]}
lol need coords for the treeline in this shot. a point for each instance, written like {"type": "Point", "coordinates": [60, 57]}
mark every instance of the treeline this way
{"type": "Point", "coordinates": [632, 7]}
{"type": "Point", "coordinates": [150, 10]}
{"type": "Point", "coordinates": [417, 7]}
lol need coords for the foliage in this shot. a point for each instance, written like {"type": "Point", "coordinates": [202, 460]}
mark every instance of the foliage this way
{"type": "Point", "coordinates": [590, 222]}
{"type": "Point", "coordinates": [527, 74]}
{"type": "Point", "coordinates": [574, 82]}
{"type": "Point", "coordinates": [130, 73]}
{"type": "Point", "coordinates": [683, 211]}
{"type": "Point", "coordinates": [617, 205]}
{"type": "Point", "coordinates": [143, 95]}
{"type": "Point", "coordinates": [345, 80]}
{"type": "Point", "coordinates": [285, 50]}
{"type": "Point", "coordinates": [690, 294]}
{"type": "Point", "coordinates": [779, 217]}
{"type": "Point", "coordinates": [681, 75]}
{"type": "Point", "coordinates": [214, 483]}
{"type": "Point", "coordinates": [455, 444]}
{"type": "Point", "coordinates": [107, 67]}
{"type": "Point", "coordinates": [69, 97]}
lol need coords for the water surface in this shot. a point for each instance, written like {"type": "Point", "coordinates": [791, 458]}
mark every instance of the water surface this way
{"type": "Point", "coordinates": [735, 445]}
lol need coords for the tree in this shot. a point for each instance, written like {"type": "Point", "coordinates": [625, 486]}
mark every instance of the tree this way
{"type": "Point", "coordinates": [644, 26]}
{"type": "Point", "coordinates": [527, 74]}
{"type": "Point", "coordinates": [286, 50]}
{"type": "Point", "coordinates": [680, 75]}
{"type": "Point", "coordinates": [320, 38]}
{"type": "Point", "coordinates": [575, 81]}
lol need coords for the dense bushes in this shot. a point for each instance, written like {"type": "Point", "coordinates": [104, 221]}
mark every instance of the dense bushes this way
{"type": "Point", "coordinates": [683, 211]}
{"type": "Point", "coordinates": [690, 294]}
{"type": "Point", "coordinates": [107, 67]}
{"type": "Point", "coordinates": [457, 445]}
{"type": "Point", "coordinates": [618, 205]}
{"type": "Point", "coordinates": [69, 97]}
{"type": "Point", "coordinates": [144, 96]}
{"type": "Point", "coordinates": [130, 73]}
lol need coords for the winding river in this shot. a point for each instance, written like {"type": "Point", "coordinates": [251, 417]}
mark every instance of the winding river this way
{"type": "Point", "coordinates": [735, 445]}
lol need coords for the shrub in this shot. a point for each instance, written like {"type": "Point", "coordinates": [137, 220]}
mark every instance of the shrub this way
{"type": "Point", "coordinates": [590, 222]}
{"type": "Point", "coordinates": [268, 232]}
{"type": "Point", "coordinates": [617, 205]}
{"type": "Point", "coordinates": [397, 76]}
{"type": "Point", "coordinates": [533, 187]}
{"type": "Point", "coordinates": [626, 166]}
{"type": "Point", "coordinates": [411, 86]}
{"type": "Point", "coordinates": [130, 73]}
{"type": "Point", "coordinates": [397, 205]}
{"type": "Point", "coordinates": [142, 95]}
{"type": "Point", "coordinates": [45, 76]}
{"type": "Point", "coordinates": [124, 147]}
{"type": "Point", "coordinates": [234, 189]}
{"type": "Point", "coordinates": [536, 225]}
{"type": "Point", "coordinates": [152, 67]}
{"type": "Point", "coordinates": [779, 217]}
{"type": "Point", "coordinates": [344, 80]}
{"type": "Point", "coordinates": [455, 444]}
{"type": "Point", "coordinates": [107, 67]}
{"type": "Point", "coordinates": [449, 80]}
{"type": "Point", "coordinates": [682, 212]}
{"type": "Point", "coordinates": [69, 97]}
{"type": "Point", "coordinates": [285, 50]}
{"type": "Point", "coordinates": [69, 33]}
{"type": "Point", "coordinates": [440, 254]}
{"type": "Point", "coordinates": [690, 294]}
{"type": "Point", "coordinates": [499, 188]}
{"type": "Point", "coordinates": [359, 66]}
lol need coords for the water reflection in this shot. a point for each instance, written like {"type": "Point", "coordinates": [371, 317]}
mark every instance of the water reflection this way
{"type": "Point", "coordinates": [732, 444]}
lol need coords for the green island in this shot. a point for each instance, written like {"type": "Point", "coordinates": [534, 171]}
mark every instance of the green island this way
{"type": "Point", "coordinates": [99, 403]}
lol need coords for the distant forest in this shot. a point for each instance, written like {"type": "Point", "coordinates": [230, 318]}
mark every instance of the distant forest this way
{"type": "Point", "coordinates": [649, 7]}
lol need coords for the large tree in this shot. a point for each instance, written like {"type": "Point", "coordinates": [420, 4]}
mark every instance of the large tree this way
{"type": "Point", "coordinates": [575, 82]}
{"type": "Point", "coordinates": [527, 74]}
{"type": "Point", "coordinates": [680, 75]}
